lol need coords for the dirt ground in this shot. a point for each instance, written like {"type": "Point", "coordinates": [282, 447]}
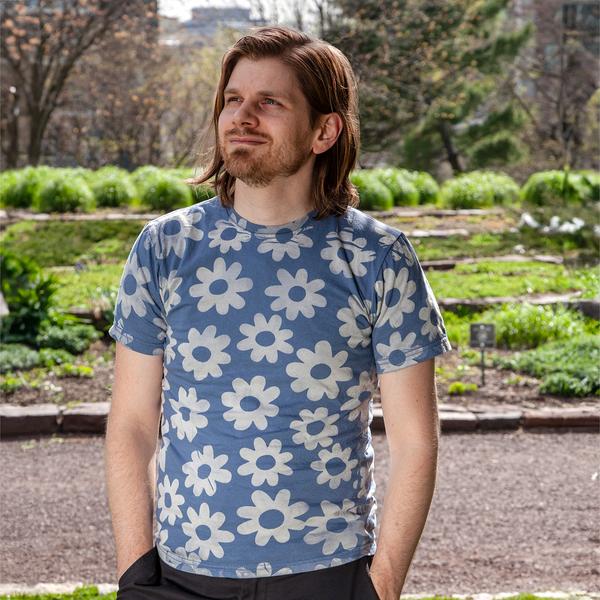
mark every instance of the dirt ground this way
{"type": "Point", "coordinates": [511, 512]}
{"type": "Point", "coordinates": [496, 392]}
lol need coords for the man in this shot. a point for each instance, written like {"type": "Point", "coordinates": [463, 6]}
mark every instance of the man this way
{"type": "Point", "coordinates": [258, 322]}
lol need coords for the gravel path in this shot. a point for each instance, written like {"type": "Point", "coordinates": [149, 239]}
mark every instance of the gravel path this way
{"type": "Point", "coordinates": [511, 512]}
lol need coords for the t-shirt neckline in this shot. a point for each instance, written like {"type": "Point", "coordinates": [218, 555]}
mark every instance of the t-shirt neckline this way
{"type": "Point", "coordinates": [270, 230]}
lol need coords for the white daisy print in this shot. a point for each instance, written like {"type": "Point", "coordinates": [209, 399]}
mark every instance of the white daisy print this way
{"type": "Point", "coordinates": [367, 481]}
{"type": "Point", "coordinates": [360, 397]}
{"type": "Point", "coordinates": [402, 251]}
{"type": "Point", "coordinates": [188, 557]}
{"type": "Point", "coordinates": [221, 287]}
{"type": "Point", "coordinates": [284, 242]}
{"type": "Point", "coordinates": [346, 254]}
{"type": "Point", "coordinates": [164, 442]}
{"type": "Point", "coordinates": [250, 403]}
{"type": "Point", "coordinates": [169, 352]}
{"type": "Point", "coordinates": [356, 322]}
{"type": "Point", "coordinates": [205, 471]}
{"type": "Point", "coordinates": [169, 501]}
{"type": "Point", "coordinates": [334, 563]}
{"type": "Point", "coordinates": [296, 295]}
{"type": "Point", "coordinates": [228, 235]}
{"type": "Point", "coordinates": [336, 527]}
{"type": "Point", "coordinates": [204, 354]}
{"type": "Point", "coordinates": [393, 354]}
{"type": "Point", "coordinates": [176, 229]}
{"type": "Point", "coordinates": [334, 465]}
{"type": "Point", "coordinates": [394, 292]}
{"type": "Point", "coordinates": [265, 339]}
{"type": "Point", "coordinates": [315, 428]}
{"type": "Point", "coordinates": [205, 533]}
{"type": "Point", "coordinates": [319, 371]}
{"type": "Point", "coordinates": [133, 293]}
{"type": "Point", "coordinates": [265, 462]}
{"type": "Point", "coordinates": [263, 569]}
{"type": "Point", "coordinates": [187, 418]}
{"type": "Point", "coordinates": [168, 290]}
{"type": "Point", "coordinates": [271, 517]}
{"type": "Point", "coordinates": [429, 314]}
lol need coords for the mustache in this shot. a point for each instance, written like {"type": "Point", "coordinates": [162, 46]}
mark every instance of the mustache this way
{"type": "Point", "coordinates": [241, 133]}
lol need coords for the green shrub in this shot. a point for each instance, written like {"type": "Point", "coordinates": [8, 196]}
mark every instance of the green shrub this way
{"type": "Point", "coordinates": [7, 181]}
{"type": "Point", "coordinates": [73, 338]}
{"type": "Point", "coordinates": [527, 325]}
{"type": "Point", "coordinates": [54, 356]}
{"type": "Point", "coordinates": [466, 191]}
{"type": "Point", "coordinates": [403, 191]}
{"type": "Point", "coordinates": [71, 370]}
{"type": "Point", "coordinates": [458, 388]}
{"type": "Point", "coordinates": [561, 384]}
{"type": "Point", "coordinates": [22, 185]}
{"type": "Point", "coordinates": [427, 186]}
{"type": "Point", "coordinates": [17, 356]}
{"type": "Point", "coordinates": [592, 180]}
{"type": "Point", "coordinates": [141, 175]}
{"type": "Point", "coordinates": [8, 385]}
{"type": "Point", "coordinates": [504, 188]}
{"type": "Point", "coordinates": [374, 195]}
{"type": "Point", "coordinates": [556, 187]}
{"type": "Point", "coordinates": [28, 293]}
{"type": "Point", "coordinates": [113, 187]}
{"type": "Point", "coordinates": [64, 193]}
{"type": "Point", "coordinates": [163, 192]}
{"type": "Point", "coordinates": [202, 192]}
{"type": "Point", "coordinates": [566, 366]}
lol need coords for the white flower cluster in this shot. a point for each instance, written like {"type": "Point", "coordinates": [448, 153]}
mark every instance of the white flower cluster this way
{"type": "Point", "coordinates": [555, 225]}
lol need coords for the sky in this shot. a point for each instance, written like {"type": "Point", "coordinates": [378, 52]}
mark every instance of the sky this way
{"type": "Point", "coordinates": [182, 8]}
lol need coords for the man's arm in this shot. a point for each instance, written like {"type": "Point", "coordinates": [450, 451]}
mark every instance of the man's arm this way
{"type": "Point", "coordinates": [409, 402]}
{"type": "Point", "coordinates": [131, 440]}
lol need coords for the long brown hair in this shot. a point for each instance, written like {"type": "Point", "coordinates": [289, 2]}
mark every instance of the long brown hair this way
{"type": "Point", "coordinates": [328, 83]}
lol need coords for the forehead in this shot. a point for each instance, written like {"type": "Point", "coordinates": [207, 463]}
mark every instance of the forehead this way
{"type": "Point", "coordinates": [265, 74]}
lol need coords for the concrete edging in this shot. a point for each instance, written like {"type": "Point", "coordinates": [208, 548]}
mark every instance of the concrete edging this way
{"type": "Point", "coordinates": [90, 417]}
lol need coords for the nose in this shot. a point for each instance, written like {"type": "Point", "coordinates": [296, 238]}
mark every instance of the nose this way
{"type": "Point", "coordinates": [244, 115]}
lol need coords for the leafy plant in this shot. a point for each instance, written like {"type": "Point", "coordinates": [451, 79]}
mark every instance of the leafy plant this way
{"type": "Point", "coordinates": [374, 195]}
{"type": "Point", "coordinates": [28, 294]}
{"type": "Point", "coordinates": [64, 194]}
{"type": "Point", "coordinates": [73, 338]}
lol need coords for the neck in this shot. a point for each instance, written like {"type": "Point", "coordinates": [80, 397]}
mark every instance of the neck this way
{"type": "Point", "coordinates": [283, 200]}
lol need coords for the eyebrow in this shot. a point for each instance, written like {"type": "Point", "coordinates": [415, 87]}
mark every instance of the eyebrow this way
{"type": "Point", "coordinates": [260, 93]}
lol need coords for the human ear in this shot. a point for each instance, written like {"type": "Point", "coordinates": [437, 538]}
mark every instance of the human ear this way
{"type": "Point", "coordinates": [327, 133]}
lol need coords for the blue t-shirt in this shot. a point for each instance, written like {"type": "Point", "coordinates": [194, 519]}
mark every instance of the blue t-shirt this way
{"type": "Point", "coordinates": [272, 338]}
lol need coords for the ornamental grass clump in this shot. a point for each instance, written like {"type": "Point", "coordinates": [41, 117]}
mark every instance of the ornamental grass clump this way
{"type": "Point", "coordinates": [480, 189]}
{"type": "Point", "coordinates": [18, 187]}
{"type": "Point", "coordinates": [404, 192]}
{"type": "Point", "coordinates": [163, 192]}
{"type": "Point", "coordinates": [113, 187]}
{"type": "Point", "coordinates": [64, 193]}
{"type": "Point", "coordinates": [374, 195]}
{"type": "Point", "coordinates": [558, 187]}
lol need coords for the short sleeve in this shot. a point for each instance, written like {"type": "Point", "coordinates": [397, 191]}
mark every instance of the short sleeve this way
{"type": "Point", "coordinates": [139, 321]}
{"type": "Point", "coordinates": [408, 327]}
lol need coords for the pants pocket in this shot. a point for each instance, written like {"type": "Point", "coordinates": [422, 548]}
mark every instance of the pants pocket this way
{"type": "Point", "coordinates": [370, 583]}
{"type": "Point", "coordinates": [142, 570]}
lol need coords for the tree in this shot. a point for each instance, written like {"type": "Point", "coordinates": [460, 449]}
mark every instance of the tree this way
{"type": "Point", "coordinates": [433, 79]}
{"type": "Point", "coordinates": [40, 44]}
{"type": "Point", "coordinates": [563, 67]}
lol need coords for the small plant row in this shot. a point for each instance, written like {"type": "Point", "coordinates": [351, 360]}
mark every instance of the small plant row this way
{"type": "Point", "coordinates": [48, 189]}
{"type": "Point", "coordinates": [384, 188]}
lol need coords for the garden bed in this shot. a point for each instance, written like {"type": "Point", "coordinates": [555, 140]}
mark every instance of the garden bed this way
{"type": "Point", "coordinates": [502, 387]}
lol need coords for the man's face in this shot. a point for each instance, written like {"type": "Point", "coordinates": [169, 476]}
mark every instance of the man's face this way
{"type": "Point", "coordinates": [264, 129]}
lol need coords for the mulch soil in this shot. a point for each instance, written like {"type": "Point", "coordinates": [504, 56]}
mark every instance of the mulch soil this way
{"type": "Point", "coordinates": [514, 512]}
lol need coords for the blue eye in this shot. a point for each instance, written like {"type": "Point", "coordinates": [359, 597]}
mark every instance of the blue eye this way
{"type": "Point", "coordinates": [271, 100]}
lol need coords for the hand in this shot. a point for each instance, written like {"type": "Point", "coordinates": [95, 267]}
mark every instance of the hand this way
{"type": "Point", "coordinates": [383, 585]}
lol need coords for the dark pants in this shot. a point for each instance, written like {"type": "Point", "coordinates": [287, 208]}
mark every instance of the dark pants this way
{"type": "Point", "coordinates": [152, 579]}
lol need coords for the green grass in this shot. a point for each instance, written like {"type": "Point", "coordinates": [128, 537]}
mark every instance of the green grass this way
{"type": "Point", "coordinates": [490, 244]}
{"type": "Point", "coordinates": [55, 243]}
{"type": "Point", "coordinates": [490, 278]}
{"type": "Point", "coordinates": [77, 289]}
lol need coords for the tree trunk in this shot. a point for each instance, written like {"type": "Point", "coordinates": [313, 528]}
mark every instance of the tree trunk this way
{"type": "Point", "coordinates": [453, 157]}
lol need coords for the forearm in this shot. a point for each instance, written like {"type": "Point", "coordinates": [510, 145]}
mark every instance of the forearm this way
{"type": "Point", "coordinates": [410, 488]}
{"type": "Point", "coordinates": [129, 460]}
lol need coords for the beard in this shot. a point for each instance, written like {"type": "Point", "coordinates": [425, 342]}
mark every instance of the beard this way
{"type": "Point", "coordinates": [258, 166]}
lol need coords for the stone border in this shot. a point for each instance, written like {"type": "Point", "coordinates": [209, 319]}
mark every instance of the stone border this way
{"type": "Point", "coordinates": [90, 417]}
{"type": "Point", "coordinates": [107, 588]}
